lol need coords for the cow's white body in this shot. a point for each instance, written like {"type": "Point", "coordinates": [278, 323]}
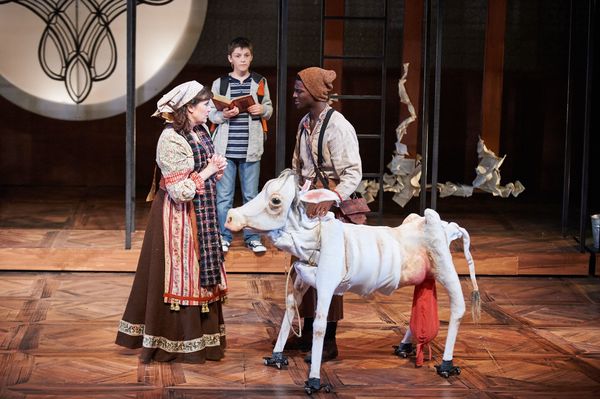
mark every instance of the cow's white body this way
{"type": "Point", "coordinates": [336, 257]}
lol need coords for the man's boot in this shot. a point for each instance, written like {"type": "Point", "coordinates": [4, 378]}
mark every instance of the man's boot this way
{"type": "Point", "coordinates": [330, 350]}
{"type": "Point", "coordinates": [304, 343]}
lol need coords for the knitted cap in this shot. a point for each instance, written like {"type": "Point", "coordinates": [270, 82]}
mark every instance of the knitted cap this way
{"type": "Point", "coordinates": [318, 82]}
{"type": "Point", "coordinates": [176, 98]}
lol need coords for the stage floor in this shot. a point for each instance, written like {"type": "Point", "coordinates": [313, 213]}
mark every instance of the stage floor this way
{"type": "Point", "coordinates": [82, 229]}
{"type": "Point", "coordinates": [538, 338]}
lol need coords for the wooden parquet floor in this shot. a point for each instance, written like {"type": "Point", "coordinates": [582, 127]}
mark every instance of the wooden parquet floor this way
{"type": "Point", "coordinates": [539, 337]}
{"type": "Point", "coordinates": [82, 229]}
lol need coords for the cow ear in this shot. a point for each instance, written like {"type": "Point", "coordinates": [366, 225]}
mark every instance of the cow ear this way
{"type": "Point", "coordinates": [318, 195]}
{"type": "Point", "coordinates": [305, 187]}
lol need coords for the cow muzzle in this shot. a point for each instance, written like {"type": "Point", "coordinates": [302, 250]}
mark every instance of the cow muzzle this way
{"type": "Point", "coordinates": [235, 221]}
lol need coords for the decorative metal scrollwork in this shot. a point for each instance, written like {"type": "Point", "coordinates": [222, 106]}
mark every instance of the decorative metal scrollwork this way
{"type": "Point", "coordinates": [77, 45]}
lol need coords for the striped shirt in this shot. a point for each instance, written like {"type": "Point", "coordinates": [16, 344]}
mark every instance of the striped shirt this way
{"type": "Point", "coordinates": [237, 143]}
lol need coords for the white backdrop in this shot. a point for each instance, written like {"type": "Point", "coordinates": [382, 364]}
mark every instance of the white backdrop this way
{"type": "Point", "coordinates": [166, 36]}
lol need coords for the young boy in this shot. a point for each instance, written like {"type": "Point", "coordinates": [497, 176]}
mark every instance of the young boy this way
{"type": "Point", "coordinates": [240, 136]}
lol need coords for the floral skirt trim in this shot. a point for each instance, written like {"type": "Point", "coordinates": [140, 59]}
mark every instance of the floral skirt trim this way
{"type": "Point", "coordinates": [211, 296]}
{"type": "Point", "coordinates": [202, 296]}
{"type": "Point", "coordinates": [135, 330]}
{"type": "Point", "coordinates": [167, 345]}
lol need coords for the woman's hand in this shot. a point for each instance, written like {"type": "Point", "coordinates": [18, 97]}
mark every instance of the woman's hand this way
{"type": "Point", "coordinates": [256, 109]}
{"type": "Point", "coordinates": [230, 113]}
{"type": "Point", "coordinates": [211, 168]}
{"type": "Point", "coordinates": [220, 160]}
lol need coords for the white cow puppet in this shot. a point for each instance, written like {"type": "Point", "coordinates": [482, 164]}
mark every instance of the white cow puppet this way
{"type": "Point", "coordinates": [336, 257]}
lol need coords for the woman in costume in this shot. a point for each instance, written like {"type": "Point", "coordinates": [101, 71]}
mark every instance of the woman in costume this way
{"type": "Point", "coordinates": [174, 308]}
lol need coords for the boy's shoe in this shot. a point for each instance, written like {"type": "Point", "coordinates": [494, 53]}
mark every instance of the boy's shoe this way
{"type": "Point", "coordinates": [225, 245]}
{"type": "Point", "coordinates": [256, 246]}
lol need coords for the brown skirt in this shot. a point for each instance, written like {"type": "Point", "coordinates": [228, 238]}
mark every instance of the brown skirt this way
{"type": "Point", "coordinates": [187, 335]}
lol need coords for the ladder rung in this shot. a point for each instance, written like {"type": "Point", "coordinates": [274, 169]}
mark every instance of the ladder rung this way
{"type": "Point", "coordinates": [342, 17]}
{"type": "Point", "coordinates": [376, 175]}
{"type": "Point", "coordinates": [353, 57]}
{"type": "Point", "coordinates": [355, 97]}
{"type": "Point", "coordinates": [368, 136]}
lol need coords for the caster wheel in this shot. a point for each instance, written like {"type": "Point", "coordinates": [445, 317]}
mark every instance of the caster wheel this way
{"type": "Point", "coordinates": [404, 350]}
{"type": "Point", "coordinates": [277, 360]}
{"type": "Point", "coordinates": [314, 385]}
{"type": "Point", "coordinates": [447, 369]}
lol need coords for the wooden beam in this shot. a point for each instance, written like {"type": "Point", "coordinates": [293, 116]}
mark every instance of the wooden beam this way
{"type": "Point", "coordinates": [333, 38]}
{"type": "Point", "coordinates": [493, 72]}
{"type": "Point", "coordinates": [411, 53]}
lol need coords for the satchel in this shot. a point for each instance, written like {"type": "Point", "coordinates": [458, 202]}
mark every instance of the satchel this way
{"type": "Point", "coordinates": [353, 210]}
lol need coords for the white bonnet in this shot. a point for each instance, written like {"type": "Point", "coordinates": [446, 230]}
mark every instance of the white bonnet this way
{"type": "Point", "coordinates": [176, 98]}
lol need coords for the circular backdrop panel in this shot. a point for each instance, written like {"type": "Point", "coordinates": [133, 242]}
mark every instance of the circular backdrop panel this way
{"type": "Point", "coordinates": [70, 63]}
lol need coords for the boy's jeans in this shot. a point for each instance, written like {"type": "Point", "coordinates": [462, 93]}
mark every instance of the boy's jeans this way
{"type": "Point", "coordinates": [249, 175]}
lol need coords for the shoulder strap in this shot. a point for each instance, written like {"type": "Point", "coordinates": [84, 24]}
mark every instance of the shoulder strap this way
{"type": "Point", "coordinates": [260, 81]}
{"type": "Point", "coordinates": [224, 85]}
{"type": "Point", "coordinates": [256, 77]}
{"type": "Point", "coordinates": [321, 134]}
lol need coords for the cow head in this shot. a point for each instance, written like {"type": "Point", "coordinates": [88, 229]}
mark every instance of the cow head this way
{"type": "Point", "coordinates": [269, 209]}
{"type": "Point", "coordinates": [279, 198]}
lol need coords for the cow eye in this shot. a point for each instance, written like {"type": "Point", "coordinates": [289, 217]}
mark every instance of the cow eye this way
{"type": "Point", "coordinates": [275, 203]}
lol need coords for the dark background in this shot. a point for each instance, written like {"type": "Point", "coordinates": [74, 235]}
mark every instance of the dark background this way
{"type": "Point", "coordinates": [39, 151]}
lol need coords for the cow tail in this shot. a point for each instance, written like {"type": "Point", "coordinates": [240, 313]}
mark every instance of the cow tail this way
{"type": "Point", "coordinates": [475, 297]}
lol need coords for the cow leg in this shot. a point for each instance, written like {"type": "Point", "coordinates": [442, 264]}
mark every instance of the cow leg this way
{"type": "Point", "coordinates": [293, 299]}
{"type": "Point", "coordinates": [437, 242]}
{"type": "Point", "coordinates": [330, 273]}
{"type": "Point", "coordinates": [449, 279]}
{"type": "Point", "coordinates": [319, 326]}
{"type": "Point", "coordinates": [407, 337]}
{"type": "Point", "coordinates": [406, 348]}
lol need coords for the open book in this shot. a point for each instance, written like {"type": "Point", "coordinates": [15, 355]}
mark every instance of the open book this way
{"type": "Point", "coordinates": [222, 102]}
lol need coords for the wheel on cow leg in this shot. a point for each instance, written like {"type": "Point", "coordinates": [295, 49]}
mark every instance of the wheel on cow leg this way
{"type": "Point", "coordinates": [277, 360]}
{"type": "Point", "coordinates": [314, 385]}
{"type": "Point", "coordinates": [404, 350]}
{"type": "Point", "coordinates": [447, 369]}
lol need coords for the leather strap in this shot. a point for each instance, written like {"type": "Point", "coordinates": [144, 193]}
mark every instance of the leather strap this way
{"type": "Point", "coordinates": [321, 134]}
{"type": "Point", "coordinates": [317, 165]}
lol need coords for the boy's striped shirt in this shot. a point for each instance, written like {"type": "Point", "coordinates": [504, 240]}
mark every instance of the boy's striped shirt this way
{"type": "Point", "coordinates": [237, 143]}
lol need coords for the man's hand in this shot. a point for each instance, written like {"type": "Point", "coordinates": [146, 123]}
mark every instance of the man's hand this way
{"type": "Point", "coordinates": [230, 113]}
{"type": "Point", "coordinates": [318, 210]}
{"type": "Point", "coordinates": [256, 109]}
